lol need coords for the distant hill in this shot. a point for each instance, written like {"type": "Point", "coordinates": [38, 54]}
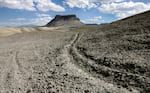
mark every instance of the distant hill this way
{"type": "Point", "coordinates": [65, 20]}
{"type": "Point", "coordinates": [29, 25]}
{"type": "Point", "coordinates": [142, 19]}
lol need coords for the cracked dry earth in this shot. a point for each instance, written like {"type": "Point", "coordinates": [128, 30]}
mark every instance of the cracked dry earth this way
{"type": "Point", "coordinates": [49, 62]}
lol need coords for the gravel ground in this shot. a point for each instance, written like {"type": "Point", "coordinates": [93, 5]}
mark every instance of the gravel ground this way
{"type": "Point", "coordinates": [47, 62]}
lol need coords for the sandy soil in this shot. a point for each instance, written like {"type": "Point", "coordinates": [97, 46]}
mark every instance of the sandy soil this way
{"type": "Point", "coordinates": [47, 61]}
{"type": "Point", "coordinates": [11, 31]}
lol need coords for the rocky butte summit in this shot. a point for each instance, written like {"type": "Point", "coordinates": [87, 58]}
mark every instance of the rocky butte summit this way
{"type": "Point", "coordinates": [65, 20]}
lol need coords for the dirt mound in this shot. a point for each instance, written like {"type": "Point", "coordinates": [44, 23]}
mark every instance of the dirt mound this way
{"type": "Point", "coordinates": [65, 20]}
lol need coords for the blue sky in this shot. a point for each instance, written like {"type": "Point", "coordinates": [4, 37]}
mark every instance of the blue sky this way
{"type": "Point", "coordinates": [14, 13]}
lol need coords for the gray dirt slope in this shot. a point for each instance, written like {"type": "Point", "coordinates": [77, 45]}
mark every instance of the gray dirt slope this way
{"type": "Point", "coordinates": [121, 51]}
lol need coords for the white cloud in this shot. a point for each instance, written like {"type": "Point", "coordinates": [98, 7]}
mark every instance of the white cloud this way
{"type": "Point", "coordinates": [106, 1]}
{"type": "Point", "coordinates": [47, 5]}
{"type": "Point", "coordinates": [42, 15]}
{"type": "Point", "coordinates": [42, 5]}
{"type": "Point", "coordinates": [18, 4]}
{"type": "Point", "coordinates": [124, 9]}
{"type": "Point", "coordinates": [87, 3]}
{"type": "Point", "coordinates": [96, 19]}
{"type": "Point", "coordinates": [40, 20]}
{"type": "Point", "coordinates": [80, 3]}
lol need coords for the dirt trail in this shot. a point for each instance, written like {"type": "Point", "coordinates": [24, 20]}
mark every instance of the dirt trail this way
{"type": "Point", "coordinates": [79, 65]}
{"type": "Point", "coordinates": [131, 81]}
{"type": "Point", "coordinates": [66, 57]}
{"type": "Point", "coordinates": [11, 74]}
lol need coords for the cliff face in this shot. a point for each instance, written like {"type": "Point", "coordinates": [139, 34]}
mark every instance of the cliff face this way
{"type": "Point", "coordinates": [66, 20]}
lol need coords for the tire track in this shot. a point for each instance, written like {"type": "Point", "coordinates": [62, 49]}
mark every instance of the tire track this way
{"type": "Point", "coordinates": [12, 75]}
{"type": "Point", "coordinates": [66, 57]}
{"type": "Point", "coordinates": [124, 67]}
{"type": "Point", "coordinates": [79, 67]}
{"type": "Point", "coordinates": [127, 80]}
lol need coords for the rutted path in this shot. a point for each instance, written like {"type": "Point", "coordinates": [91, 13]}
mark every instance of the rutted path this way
{"type": "Point", "coordinates": [81, 66]}
{"type": "Point", "coordinates": [131, 81]}
{"type": "Point", "coordinates": [66, 57]}
{"type": "Point", "coordinates": [11, 75]}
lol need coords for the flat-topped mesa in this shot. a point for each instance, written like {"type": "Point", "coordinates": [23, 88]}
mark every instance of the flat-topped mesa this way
{"type": "Point", "coordinates": [65, 20]}
{"type": "Point", "coordinates": [66, 17]}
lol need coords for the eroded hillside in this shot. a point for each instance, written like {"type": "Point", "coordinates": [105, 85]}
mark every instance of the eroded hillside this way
{"type": "Point", "coordinates": [121, 52]}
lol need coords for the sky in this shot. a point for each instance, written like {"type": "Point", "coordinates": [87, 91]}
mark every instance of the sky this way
{"type": "Point", "coordinates": [17, 13]}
